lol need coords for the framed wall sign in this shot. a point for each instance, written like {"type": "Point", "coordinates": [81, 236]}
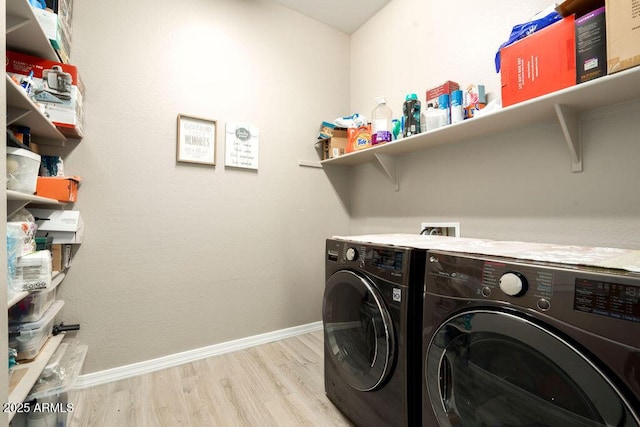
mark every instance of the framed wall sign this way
{"type": "Point", "coordinates": [196, 142]}
{"type": "Point", "coordinates": [241, 150]}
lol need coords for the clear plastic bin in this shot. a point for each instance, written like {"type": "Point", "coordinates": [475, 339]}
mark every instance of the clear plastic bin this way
{"type": "Point", "coordinates": [22, 170]}
{"type": "Point", "coordinates": [32, 307]}
{"type": "Point", "coordinates": [50, 392]}
{"type": "Point", "coordinates": [28, 338]}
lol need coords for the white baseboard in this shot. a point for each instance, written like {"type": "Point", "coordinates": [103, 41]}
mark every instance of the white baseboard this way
{"type": "Point", "coordinates": [127, 371]}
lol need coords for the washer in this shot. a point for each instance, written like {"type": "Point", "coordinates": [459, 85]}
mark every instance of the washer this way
{"type": "Point", "coordinates": [372, 317]}
{"type": "Point", "coordinates": [514, 343]}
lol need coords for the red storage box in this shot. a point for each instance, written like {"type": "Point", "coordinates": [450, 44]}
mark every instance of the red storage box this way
{"type": "Point", "coordinates": [540, 63]}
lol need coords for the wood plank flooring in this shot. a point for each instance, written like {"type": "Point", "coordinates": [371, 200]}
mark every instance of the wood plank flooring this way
{"type": "Point", "coordinates": [275, 384]}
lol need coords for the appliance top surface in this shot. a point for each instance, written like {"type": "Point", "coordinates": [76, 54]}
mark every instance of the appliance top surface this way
{"type": "Point", "coordinates": [611, 258]}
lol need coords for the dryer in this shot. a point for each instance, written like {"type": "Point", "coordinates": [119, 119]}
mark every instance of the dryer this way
{"type": "Point", "coordinates": [508, 342]}
{"type": "Point", "coordinates": [372, 318]}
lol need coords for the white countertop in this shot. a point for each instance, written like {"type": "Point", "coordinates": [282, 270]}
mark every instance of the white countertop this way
{"type": "Point", "coordinates": [624, 259]}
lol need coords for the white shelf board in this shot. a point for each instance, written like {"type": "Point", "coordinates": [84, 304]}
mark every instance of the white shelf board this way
{"type": "Point", "coordinates": [23, 111]}
{"type": "Point", "coordinates": [24, 32]}
{"type": "Point", "coordinates": [17, 200]}
{"type": "Point", "coordinates": [15, 297]}
{"type": "Point", "coordinates": [25, 375]}
{"type": "Point", "coordinates": [605, 91]}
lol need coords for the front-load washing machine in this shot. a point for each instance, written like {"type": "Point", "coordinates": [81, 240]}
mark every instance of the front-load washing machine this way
{"type": "Point", "coordinates": [517, 343]}
{"type": "Point", "coordinates": [372, 312]}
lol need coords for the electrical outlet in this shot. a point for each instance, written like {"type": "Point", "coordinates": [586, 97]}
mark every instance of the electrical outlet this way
{"type": "Point", "coordinates": [440, 229]}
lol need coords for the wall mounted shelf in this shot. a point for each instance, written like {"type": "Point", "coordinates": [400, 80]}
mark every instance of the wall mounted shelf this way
{"type": "Point", "coordinates": [17, 200]}
{"type": "Point", "coordinates": [564, 106]}
{"type": "Point", "coordinates": [24, 33]}
{"type": "Point", "coordinates": [24, 112]}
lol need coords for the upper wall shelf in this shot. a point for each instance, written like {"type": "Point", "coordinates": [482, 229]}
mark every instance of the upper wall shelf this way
{"type": "Point", "coordinates": [564, 106]}
{"type": "Point", "coordinates": [21, 110]}
{"type": "Point", "coordinates": [24, 33]}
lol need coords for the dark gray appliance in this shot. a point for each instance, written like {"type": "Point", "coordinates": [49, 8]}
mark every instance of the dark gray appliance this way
{"type": "Point", "coordinates": [512, 343]}
{"type": "Point", "coordinates": [372, 318]}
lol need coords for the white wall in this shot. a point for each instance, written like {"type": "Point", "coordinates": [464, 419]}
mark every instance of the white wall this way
{"type": "Point", "coordinates": [180, 256]}
{"type": "Point", "coordinates": [515, 186]}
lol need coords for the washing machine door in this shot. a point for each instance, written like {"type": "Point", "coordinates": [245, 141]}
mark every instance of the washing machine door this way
{"type": "Point", "coordinates": [492, 368]}
{"type": "Point", "coordinates": [358, 329]}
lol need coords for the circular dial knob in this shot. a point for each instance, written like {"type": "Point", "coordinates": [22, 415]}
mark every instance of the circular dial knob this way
{"type": "Point", "coordinates": [513, 284]}
{"type": "Point", "coordinates": [352, 254]}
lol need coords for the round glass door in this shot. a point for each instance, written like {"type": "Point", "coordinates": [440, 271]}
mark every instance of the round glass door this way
{"type": "Point", "coordinates": [491, 368]}
{"type": "Point", "coordinates": [358, 330]}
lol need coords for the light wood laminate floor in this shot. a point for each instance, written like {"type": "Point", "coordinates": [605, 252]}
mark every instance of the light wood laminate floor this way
{"type": "Point", "coordinates": [275, 384]}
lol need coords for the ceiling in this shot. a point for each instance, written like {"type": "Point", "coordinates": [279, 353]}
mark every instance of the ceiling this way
{"type": "Point", "coordinates": [344, 15]}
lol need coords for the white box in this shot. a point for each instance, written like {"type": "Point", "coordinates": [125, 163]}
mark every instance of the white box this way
{"type": "Point", "coordinates": [65, 226]}
{"type": "Point", "coordinates": [49, 23]}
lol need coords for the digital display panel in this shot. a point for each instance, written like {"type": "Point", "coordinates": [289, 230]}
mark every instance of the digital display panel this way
{"type": "Point", "coordinates": [387, 259]}
{"type": "Point", "coordinates": [608, 299]}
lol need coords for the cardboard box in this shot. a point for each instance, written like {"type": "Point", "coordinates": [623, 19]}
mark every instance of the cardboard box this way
{"type": "Point", "coordinates": [591, 46]}
{"type": "Point", "coordinates": [623, 35]}
{"type": "Point", "coordinates": [61, 188]}
{"type": "Point", "coordinates": [335, 146]}
{"type": "Point", "coordinates": [538, 64]}
{"type": "Point", "coordinates": [65, 226]}
{"type": "Point", "coordinates": [432, 94]}
{"type": "Point", "coordinates": [56, 88]}
{"type": "Point", "coordinates": [60, 257]}
{"type": "Point", "coordinates": [358, 138]}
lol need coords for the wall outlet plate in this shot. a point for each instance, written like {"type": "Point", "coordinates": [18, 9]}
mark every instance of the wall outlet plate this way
{"type": "Point", "coordinates": [440, 229]}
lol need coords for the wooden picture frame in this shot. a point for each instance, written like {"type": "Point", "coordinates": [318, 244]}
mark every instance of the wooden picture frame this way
{"type": "Point", "coordinates": [196, 140]}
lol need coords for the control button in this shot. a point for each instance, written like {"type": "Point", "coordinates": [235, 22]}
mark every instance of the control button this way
{"type": "Point", "coordinates": [544, 304]}
{"type": "Point", "coordinates": [352, 254]}
{"type": "Point", "coordinates": [486, 291]}
{"type": "Point", "coordinates": [513, 284]}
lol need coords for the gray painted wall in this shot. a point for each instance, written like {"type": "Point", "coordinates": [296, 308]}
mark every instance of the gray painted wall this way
{"type": "Point", "coordinates": [178, 256]}
{"type": "Point", "coordinates": [511, 186]}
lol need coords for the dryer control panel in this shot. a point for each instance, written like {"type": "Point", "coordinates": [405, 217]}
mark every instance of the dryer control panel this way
{"type": "Point", "coordinates": [391, 263]}
{"type": "Point", "coordinates": [596, 299]}
{"type": "Point", "coordinates": [489, 279]}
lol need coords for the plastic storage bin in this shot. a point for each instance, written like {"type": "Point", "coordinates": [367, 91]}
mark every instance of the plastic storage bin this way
{"type": "Point", "coordinates": [28, 338]}
{"type": "Point", "coordinates": [56, 380]}
{"type": "Point", "coordinates": [22, 170]}
{"type": "Point", "coordinates": [32, 307]}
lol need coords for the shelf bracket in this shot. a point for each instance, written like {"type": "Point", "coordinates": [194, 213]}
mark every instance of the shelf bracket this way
{"type": "Point", "coordinates": [388, 164]}
{"type": "Point", "coordinates": [309, 164]}
{"type": "Point", "coordinates": [568, 119]}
